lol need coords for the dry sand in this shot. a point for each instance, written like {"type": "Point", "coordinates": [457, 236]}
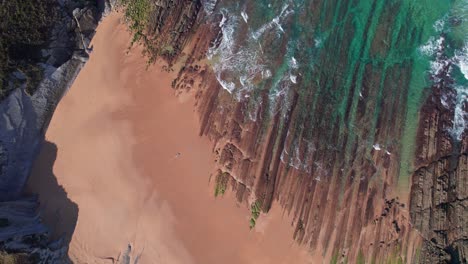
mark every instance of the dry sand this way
{"type": "Point", "coordinates": [112, 146]}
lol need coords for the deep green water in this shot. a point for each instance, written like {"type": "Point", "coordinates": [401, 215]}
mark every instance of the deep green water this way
{"type": "Point", "coordinates": [351, 75]}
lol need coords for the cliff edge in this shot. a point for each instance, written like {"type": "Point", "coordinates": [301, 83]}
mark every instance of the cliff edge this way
{"type": "Point", "coordinates": [44, 46]}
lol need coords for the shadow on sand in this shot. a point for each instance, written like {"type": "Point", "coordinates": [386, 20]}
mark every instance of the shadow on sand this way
{"type": "Point", "coordinates": [58, 212]}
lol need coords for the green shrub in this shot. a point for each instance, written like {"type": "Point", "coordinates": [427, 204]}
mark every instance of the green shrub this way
{"type": "Point", "coordinates": [221, 184]}
{"type": "Point", "coordinates": [360, 258]}
{"type": "Point", "coordinates": [15, 258]}
{"type": "Point", "coordinates": [255, 210]}
{"type": "Point", "coordinates": [24, 30]}
{"type": "Point", "coordinates": [137, 13]}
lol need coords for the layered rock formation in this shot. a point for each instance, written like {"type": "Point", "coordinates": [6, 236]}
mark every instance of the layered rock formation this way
{"type": "Point", "coordinates": [363, 177]}
{"type": "Point", "coordinates": [349, 178]}
{"type": "Point", "coordinates": [439, 190]}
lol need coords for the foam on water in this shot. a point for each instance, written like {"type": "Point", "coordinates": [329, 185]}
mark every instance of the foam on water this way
{"type": "Point", "coordinates": [275, 23]}
{"type": "Point", "coordinates": [262, 50]}
{"type": "Point", "coordinates": [209, 6]}
{"type": "Point", "coordinates": [461, 116]}
{"type": "Point", "coordinates": [432, 46]}
{"type": "Point", "coordinates": [245, 16]}
{"type": "Point", "coordinates": [240, 64]}
{"type": "Point", "coordinates": [437, 48]}
{"type": "Point", "coordinates": [461, 57]}
{"type": "Point", "coordinates": [293, 78]}
{"type": "Point", "coordinates": [294, 63]}
{"type": "Point", "coordinates": [439, 25]}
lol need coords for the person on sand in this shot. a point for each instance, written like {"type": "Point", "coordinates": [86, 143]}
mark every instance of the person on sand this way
{"type": "Point", "coordinates": [177, 155]}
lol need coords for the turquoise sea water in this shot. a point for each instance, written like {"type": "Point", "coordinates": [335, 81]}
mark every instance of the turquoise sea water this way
{"type": "Point", "coordinates": [350, 74]}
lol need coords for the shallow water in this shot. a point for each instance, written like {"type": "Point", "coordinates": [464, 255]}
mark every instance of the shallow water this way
{"type": "Point", "coordinates": [354, 67]}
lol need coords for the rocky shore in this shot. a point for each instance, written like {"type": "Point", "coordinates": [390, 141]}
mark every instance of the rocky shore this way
{"type": "Point", "coordinates": [349, 206]}
{"type": "Point", "coordinates": [346, 207]}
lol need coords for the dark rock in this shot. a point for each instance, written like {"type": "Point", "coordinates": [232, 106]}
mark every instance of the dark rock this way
{"type": "Point", "coordinates": [23, 123]}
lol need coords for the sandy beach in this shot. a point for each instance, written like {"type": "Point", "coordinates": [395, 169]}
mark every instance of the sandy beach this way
{"type": "Point", "coordinates": [128, 155]}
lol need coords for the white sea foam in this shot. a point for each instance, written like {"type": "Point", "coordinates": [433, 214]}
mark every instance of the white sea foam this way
{"type": "Point", "coordinates": [439, 25]}
{"type": "Point", "coordinates": [239, 64]}
{"type": "Point", "coordinates": [294, 64]}
{"type": "Point", "coordinates": [293, 78]}
{"type": "Point", "coordinates": [266, 74]}
{"type": "Point", "coordinates": [209, 6]}
{"type": "Point", "coordinates": [438, 66]}
{"type": "Point", "coordinates": [245, 16]}
{"type": "Point", "coordinates": [461, 58]}
{"type": "Point", "coordinates": [274, 23]}
{"type": "Point", "coordinates": [461, 116]}
{"type": "Point", "coordinates": [432, 46]}
{"type": "Point", "coordinates": [228, 86]}
{"type": "Point", "coordinates": [444, 101]}
{"type": "Point", "coordinates": [318, 42]}
{"type": "Point", "coordinates": [232, 62]}
{"type": "Point", "coordinates": [223, 20]}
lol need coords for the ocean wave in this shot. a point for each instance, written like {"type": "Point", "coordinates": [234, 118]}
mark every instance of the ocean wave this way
{"type": "Point", "coordinates": [441, 66]}
{"type": "Point", "coordinates": [274, 23]}
{"type": "Point", "coordinates": [209, 6]}
{"type": "Point", "coordinates": [460, 116]}
{"type": "Point", "coordinates": [461, 57]}
{"type": "Point", "coordinates": [294, 63]}
{"type": "Point", "coordinates": [241, 64]}
{"type": "Point", "coordinates": [432, 46]}
{"type": "Point", "coordinates": [245, 16]}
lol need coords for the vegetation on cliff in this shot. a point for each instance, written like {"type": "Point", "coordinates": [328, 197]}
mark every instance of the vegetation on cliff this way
{"type": "Point", "coordinates": [36, 36]}
{"type": "Point", "coordinates": [24, 30]}
{"type": "Point", "coordinates": [137, 13]}
{"type": "Point", "coordinates": [255, 210]}
{"type": "Point", "coordinates": [162, 27]}
{"type": "Point", "coordinates": [14, 258]}
{"type": "Point", "coordinates": [221, 184]}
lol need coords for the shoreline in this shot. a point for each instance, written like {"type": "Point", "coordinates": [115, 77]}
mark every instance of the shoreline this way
{"type": "Point", "coordinates": [118, 132]}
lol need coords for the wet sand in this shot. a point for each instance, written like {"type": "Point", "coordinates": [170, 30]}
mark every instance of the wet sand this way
{"type": "Point", "coordinates": [117, 134]}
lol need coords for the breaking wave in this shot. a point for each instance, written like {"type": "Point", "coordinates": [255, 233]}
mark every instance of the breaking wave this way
{"type": "Point", "coordinates": [443, 65]}
{"type": "Point", "coordinates": [242, 63]}
{"type": "Point", "coordinates": [209, 6]}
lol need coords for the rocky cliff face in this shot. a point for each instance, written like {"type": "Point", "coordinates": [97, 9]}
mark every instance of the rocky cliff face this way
{"type": "Point", "coordinates": [339, 175]}
{"type": "Point", "coordinates": [25, 115]}
{"type": "Point", "coordinates": [439, 189]}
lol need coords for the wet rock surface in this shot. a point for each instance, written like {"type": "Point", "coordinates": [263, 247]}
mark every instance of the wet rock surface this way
{"type": "Point", "coordinates": [344, 193]}
{"type": "Point", "coordinates": [439, 189]}
{"type": "Point", "coordinates": [335, 174]}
